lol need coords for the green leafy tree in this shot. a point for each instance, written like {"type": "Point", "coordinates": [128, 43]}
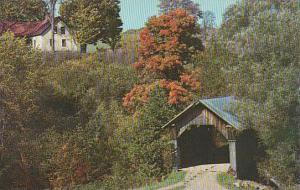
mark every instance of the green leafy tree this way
{"type": "Point", "coordinates": [208, 24]}
{"type": "Point", "coordinates": [264, 72]}
{"type": "Point", "coordinates": [91, 21]}
{"type": "Point", "coordinates": [22, 10]}
{"type": "Point", "coordinates": [144, 148]}
{"type": "Point", "coordinates": [211, 66]}
{"type": "Point", "coordinates": [239, 16]}
{"type": "Point", "coordinates": [188, 5]}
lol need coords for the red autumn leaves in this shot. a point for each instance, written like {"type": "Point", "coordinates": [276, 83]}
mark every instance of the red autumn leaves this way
{"type": "Point", "coordinates": [140, 93]}
{"type": "Point", "coordinates": [168, 43]}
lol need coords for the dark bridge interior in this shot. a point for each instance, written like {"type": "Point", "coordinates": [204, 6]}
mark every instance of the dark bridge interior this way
{"type": "Point", "coordinates": [198, 145]}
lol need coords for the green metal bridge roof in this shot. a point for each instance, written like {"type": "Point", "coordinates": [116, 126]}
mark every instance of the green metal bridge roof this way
{"type": "Point", "coordinates": [220, 106]}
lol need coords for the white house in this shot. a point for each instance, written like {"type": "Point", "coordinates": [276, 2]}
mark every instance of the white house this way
{"type": "Point", "coordinates": [39, 34]}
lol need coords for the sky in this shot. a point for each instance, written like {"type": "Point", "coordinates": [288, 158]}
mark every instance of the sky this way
{"type": "Point", "coordinates": [135, 13]}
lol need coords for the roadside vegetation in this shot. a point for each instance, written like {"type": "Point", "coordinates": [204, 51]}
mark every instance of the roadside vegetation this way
{"type": "Point", "coordinates": [172, 179]}
{"type": "Point", "coordinates": [227, 181]}
{"type": "Point", "coordinates": [88, 121]}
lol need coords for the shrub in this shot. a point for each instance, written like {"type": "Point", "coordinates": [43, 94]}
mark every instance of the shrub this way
{"type": "Point", "coordinates": [145, 151]}
{"type": "Point", "coordinates": [18, 160]}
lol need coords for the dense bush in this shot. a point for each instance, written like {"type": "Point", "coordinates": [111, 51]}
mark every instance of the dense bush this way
{"type": "Point", "coordinates": [96, 90]}
{"type": "Point", "coordinates": [75, 157]}
{"type": "Point", "coordinates": [57, 118]}
{"type": "Point", "coordinates": [144, 149]}
{"type": "Point", "coordinates": [263, 71]}
{"type": "Point", "coordinates": [65, 123]}
{"type": "Point", "coordinates": [18, 160]}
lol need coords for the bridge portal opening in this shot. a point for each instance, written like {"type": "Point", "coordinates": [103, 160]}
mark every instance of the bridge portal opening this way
{"type": "Point", "coordinates": [200, 145]}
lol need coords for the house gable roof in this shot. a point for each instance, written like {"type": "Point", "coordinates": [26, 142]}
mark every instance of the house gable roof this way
{"type": "Point", "coordinates": [219, 106]}
{"type": "Point", "coordinates": [26, 29]}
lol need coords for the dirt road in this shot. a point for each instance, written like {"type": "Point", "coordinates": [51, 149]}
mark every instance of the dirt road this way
{"type": "Point", "coordinates": [204, 177]}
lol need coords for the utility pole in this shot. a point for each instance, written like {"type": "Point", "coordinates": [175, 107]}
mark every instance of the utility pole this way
{"type": "Point", "coordinates": [52, 21]}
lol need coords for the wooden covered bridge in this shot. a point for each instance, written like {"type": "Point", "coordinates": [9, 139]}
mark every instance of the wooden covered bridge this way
{"type": "Point", "coordinates": [207, 132]}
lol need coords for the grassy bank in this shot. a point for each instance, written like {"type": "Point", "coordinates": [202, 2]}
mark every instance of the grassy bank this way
{"type": "Point", "coordinates": [173, 178]}
{"type": "Point", "coordinates": [227, 181]}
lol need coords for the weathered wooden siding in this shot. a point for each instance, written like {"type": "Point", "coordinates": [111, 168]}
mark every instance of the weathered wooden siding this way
{"type": "Point", "coordinates": [202, 116]}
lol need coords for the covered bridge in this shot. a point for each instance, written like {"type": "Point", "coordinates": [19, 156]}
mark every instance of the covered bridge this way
{"type": "Point", "coordinates": [208, 132]}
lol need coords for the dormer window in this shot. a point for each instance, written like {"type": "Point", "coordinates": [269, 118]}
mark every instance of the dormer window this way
{"type": "Point", "coordinates": [63, 30]}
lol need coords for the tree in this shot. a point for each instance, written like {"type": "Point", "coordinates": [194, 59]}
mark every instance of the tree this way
{"type": "Point", "coordinates": [237, 17]}
{"type": "Point", "coordinates": [168, 43]}
{"type": "Point", "coordinates": [22, 10]}
{"type": "Point", "coordinates": [208, 23]}
{"type": "Point", "coordinates": [188, 5]}
{"type": "Point", "coordinates": [211, 64]}
{"type": "Point", "coordinates": [263, 71]}
{"type": "Point", "coordinates": [91, 21]}
{"type": "Point", "coordinates": [209, 19]}
{"type": "Point", "coordinates": [147, 151]}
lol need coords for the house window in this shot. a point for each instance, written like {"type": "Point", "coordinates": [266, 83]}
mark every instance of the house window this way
{"type": "Point", "coordinates": [55, 29]}
{"type": "Point", "coordinates": [28, 41]}
{"type": "Point", "coordinates": [63, 43]}
{"type": "Point", "coordinates": [51, 42]}
{"type": "Point", "coordinates": [63, 30]}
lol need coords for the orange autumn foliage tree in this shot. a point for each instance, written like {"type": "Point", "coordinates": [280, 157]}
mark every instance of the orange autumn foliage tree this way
{"type": "Point", "coordinates": [167, 44]}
